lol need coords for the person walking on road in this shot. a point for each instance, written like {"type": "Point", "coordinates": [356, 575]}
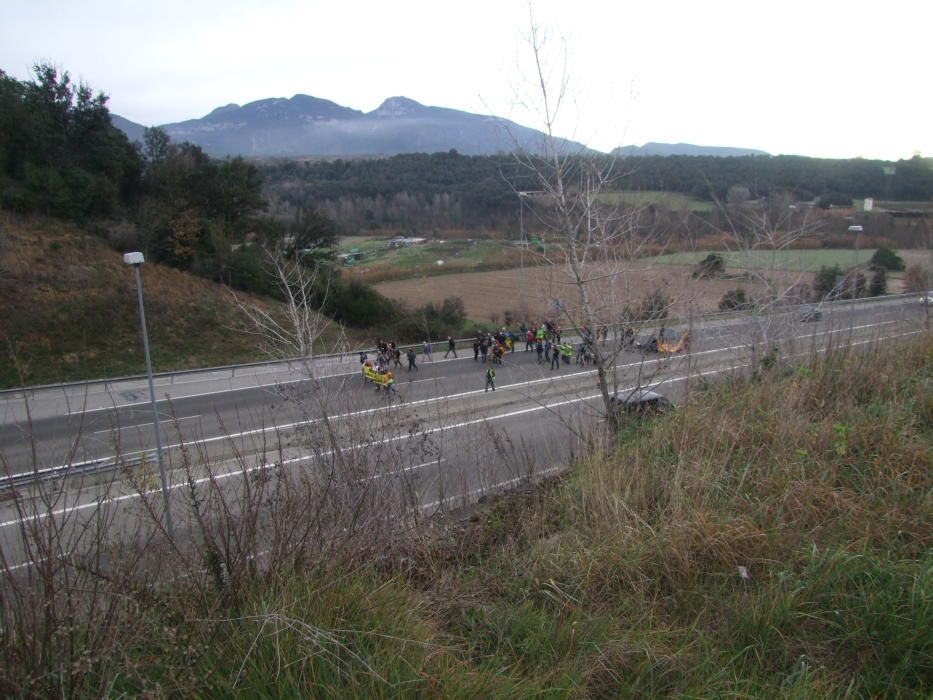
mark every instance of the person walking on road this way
{"type": "Point", "coordinates": [555, 357]}
{"type": "Point", "coordinates": [411, 360]}
{"type": "Point", "coordinates": [476, 350]}
{"type": "Point", "coordinates": [490, 378]}
{"type": "Point", "coordinates": [426, 350]}
{"type": "Point", "coordinates": [566, 350]}
{"type": "Point", "coordinates": [451, 347]}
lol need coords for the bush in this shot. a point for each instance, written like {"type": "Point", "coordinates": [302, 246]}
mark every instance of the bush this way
{"type": "Point", "coordinates": [879, 282]}
{"type": "Point", "coordinates": [887, 259]}
{"type": "Point", "coordinates": [824, 283]}
{"type": "Point", "coordinates": [713, 265]}
{"type": "Point", "coordinates": [655, 307]}
{"type": "Point", "coordinates": [834, 199]}
{"type": "Point", "coordinates": [431, 321]}
{"type": "Point", "coordinates": [917, 279]}
{"type": "Point", "coordinates": [735, 300]}
{"type": "Point", "coordinates": [354, 303]}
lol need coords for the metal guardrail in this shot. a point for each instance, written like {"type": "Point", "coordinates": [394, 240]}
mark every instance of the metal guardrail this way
{"type": "Point", "coordinates": [435, 345]}
{"type": "Point", "coordinates": [92, 466]}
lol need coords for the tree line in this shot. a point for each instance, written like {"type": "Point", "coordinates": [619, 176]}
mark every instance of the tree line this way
{"type": "Point", "coordinates": [421, 192]}
{"type": "Point", "coordinates": [60, 155]}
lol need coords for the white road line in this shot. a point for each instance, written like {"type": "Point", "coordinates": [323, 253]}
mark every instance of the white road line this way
{"type": "Point", "coordinates": [486, 489]}
{"type": "Point", "coordinates": [167, 419]}
{"type": "Point", "coordinates": [283, 382]}
{"type": "Point", "coordinates": [439, 429]}
{"type": "Point", "coordinates": [433, 462]}
{"type": "Point", "coordinates": [447, 397]}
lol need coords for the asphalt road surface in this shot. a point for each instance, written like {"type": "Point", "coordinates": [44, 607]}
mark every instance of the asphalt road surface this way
{"type": "Point", "coordinates": [442, 441]}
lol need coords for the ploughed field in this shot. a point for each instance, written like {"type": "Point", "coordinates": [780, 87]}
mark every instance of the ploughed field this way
{"type": "Point", "coordinates": [488, 296]}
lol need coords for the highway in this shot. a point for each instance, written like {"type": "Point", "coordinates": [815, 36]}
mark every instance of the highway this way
{"type": "Point", "coordinates": [441, 442]}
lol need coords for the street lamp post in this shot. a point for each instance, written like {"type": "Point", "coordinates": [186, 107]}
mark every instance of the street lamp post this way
{"type": "Point", "coordinates": [135, 260]}
{"type": "Point", "coordinates": [521, 254]}
{"type": "Point", "coordinates": [857, 230]}
{"type": "Point", "coordinates": [521, 251]}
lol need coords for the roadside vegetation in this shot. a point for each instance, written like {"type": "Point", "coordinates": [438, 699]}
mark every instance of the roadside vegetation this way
{"type": "Point", "coordinates": [771, 537]}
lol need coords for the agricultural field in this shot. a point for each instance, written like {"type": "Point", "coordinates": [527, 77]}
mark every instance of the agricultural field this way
{"type": "Point", "coordinates": [792, 260]}
{"type": "Point", "coordinates": [667, 200]}
{"type": "Point", "coordinates": [434, 257]}
{"type": "Point", "coordinates": [487, 296]}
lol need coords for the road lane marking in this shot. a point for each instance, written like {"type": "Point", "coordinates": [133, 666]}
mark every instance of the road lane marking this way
{"type": "Point", "coordinates": [367, 479]}
{"type": "Point", "coordinates": [168, 420]}
{"type": "Point", "coordinates": [486, 489]}
{"type": "Point", "coordinates": [168, 397]}
{"type": "Point", "coordinates": [641, 363]}
{"type": "Point", "coordinates": [439, 429]}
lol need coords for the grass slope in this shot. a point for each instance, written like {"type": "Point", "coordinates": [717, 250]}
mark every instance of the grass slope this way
{"type": "Point", "coordinates": [68, 310]}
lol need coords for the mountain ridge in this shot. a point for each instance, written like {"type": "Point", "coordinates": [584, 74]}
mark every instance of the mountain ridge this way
{"type": "Point", "coordinates": [656, 148]}
{"type": "Point", "coordinates": [308, 126]}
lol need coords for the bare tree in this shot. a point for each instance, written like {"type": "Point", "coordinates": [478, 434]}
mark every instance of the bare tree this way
{"type": "Point", "coordinates": [295, 332]}
{"type": "Point", "coordinates": [770, 227]}
{"type": "Point", "coordinates": [591, 239]}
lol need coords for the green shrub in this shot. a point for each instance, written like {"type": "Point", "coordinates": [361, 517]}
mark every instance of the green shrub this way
{"type": "Point", "coordinates": [887, 259]}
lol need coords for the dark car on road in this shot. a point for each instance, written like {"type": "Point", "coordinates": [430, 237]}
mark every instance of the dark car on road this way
{"type": "Point", "coordinates": [640, 401]}
{"type": "Point", "coordinates": [811, 314]}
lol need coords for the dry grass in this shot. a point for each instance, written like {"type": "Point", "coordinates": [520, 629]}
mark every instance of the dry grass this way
{"type": "Point", "coordinates": [68, 310]}
{"type": "Point", "coordinates": [489, 294]}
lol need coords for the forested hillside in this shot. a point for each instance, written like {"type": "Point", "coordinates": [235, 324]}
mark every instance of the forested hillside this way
{"type": "Point", "coordinates": [60, 155]}
{"type": "Point", "coordinates": [448, 190]}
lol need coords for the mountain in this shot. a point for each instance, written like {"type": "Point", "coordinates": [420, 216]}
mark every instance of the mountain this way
{"type": "Point", "coordinates": [132, 130]}
{"type": "Point", "coordinates": [310, 126]}
{"type": "Point", "coordinates": [684, 149]}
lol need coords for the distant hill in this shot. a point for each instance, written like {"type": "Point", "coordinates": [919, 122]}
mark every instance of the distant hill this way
{"type": "Point", "coordinates": [309, 126]}
{"type": "Point", "coordinates": [653, 148]}
{"type": "Point", "coordinates": [133, 131]}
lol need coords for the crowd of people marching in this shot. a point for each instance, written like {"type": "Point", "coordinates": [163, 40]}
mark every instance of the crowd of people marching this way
{"type": "Point", "coordinates": [544, 339]}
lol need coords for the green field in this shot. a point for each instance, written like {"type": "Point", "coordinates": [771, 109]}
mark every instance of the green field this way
{"type": "Point", "coordinates": [792, 260]}
{"type": "Point", "coordinates": [461, 255]}
{"type": "Point", "coordinates": [667, 200]}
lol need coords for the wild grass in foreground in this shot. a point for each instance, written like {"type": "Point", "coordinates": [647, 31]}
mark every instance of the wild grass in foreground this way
{"type": "Point", "coordinates": [771, 538]}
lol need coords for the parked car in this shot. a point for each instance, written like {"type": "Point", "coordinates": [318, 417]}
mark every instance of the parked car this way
{"type": "Point", "coordinates": [811, 314]}
{"type": "Point", "coordinates": [640, 401]}
{"type": "Point", "coordinates": [927, 298]}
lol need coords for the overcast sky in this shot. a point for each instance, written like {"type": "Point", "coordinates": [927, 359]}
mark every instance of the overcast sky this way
{"type": "Point", "coordinates": [820, 78]}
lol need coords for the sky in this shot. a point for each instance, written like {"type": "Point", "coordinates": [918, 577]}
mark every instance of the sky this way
{"type": "Point", "coordinates": [820, 78]}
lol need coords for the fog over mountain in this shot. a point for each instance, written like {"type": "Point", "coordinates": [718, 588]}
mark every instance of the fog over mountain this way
{"type": "Point", "coordinates": [304, 126]}
{"type": "Point", "coordinates": [310, 126]}
{"type": "Point", "coordinates": [653, 148]}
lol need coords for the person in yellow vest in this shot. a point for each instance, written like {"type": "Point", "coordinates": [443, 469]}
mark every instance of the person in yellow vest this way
{"type": "Point", "coordinates": [566, 351]}
{"type": "Point", "coordinates": [490, 378]}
